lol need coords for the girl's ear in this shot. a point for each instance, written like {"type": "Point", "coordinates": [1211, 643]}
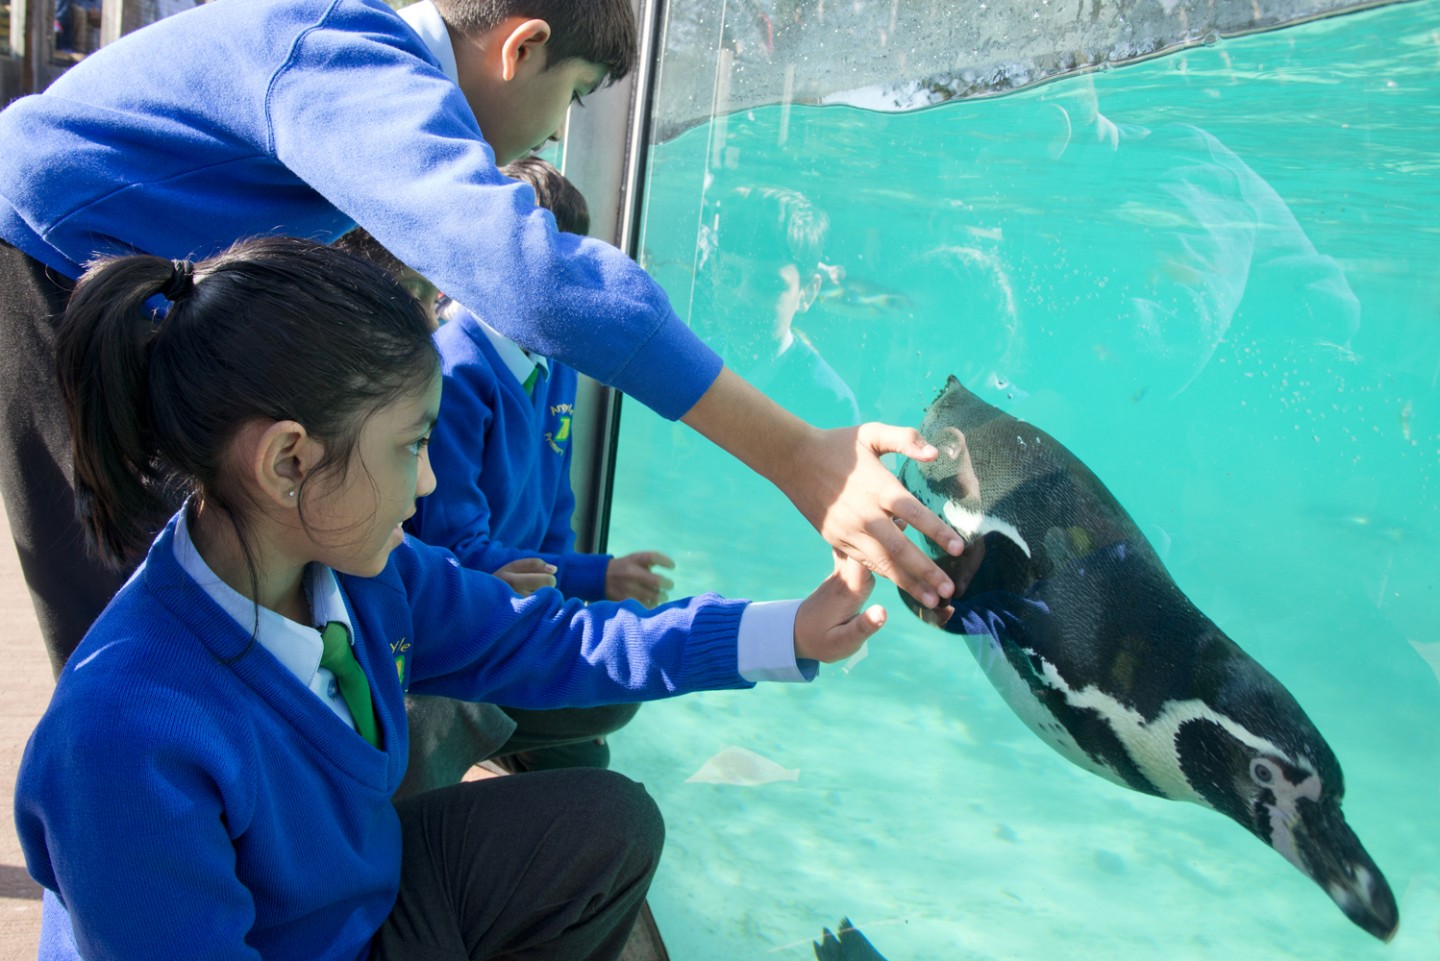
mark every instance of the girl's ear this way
{"type": "Point", "coordinates": [523, 45]}
{"type": "Point", "coordinates": [280, 455]}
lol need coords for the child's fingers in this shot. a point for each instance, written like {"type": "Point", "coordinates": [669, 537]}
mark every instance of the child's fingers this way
{"type": "Point", "coordinates": [649, 559]}
{"type": "Point", "coordinates": [887, 439]}
{"type": "Point", "coordinates": [886, 550]}
{"type": "Point", "coordinates": [907, 511]}
{"type": "Point", "coordinates": [862, 627]}
{"type": "Point", "coordinates": [530, 565]}
{"type": "Point", "coordinates": [856, 577]}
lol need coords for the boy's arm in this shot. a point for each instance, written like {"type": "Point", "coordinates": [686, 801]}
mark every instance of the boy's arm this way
{"type": "Point", "coordinates": [361, 115]}
{"type": "Point", "coordinates": [415, 171]}
{"type": "Point", "coordinates": [836, 480]}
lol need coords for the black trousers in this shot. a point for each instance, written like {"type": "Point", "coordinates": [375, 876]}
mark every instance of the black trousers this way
{"type": "Point", "coordinates": [68, 586]}
{"type": "Point", "coordinates": [449, 737]}
{"type": "Point", "coordinates": [553, 865]}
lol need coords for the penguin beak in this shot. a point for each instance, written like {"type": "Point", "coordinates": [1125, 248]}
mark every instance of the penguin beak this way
{"type": "Point", "coordinates": [1322, 845]}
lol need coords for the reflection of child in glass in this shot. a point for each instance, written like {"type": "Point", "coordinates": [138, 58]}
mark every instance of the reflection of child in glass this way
{"type": "Point", "coordinates": [501, 454]}
{"type": "Point", "coordinates": [762, 269]}
{"type": "Point", "coordinates": [213, 776]}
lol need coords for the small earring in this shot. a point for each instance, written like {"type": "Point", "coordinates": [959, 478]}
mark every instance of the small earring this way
{"type": "Point", "coordinates": [291, 493]}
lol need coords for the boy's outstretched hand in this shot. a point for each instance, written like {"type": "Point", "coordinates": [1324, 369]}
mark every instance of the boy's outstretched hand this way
{"type": "Point", "coordinates": [829, 626]}
{"type": "Point", "coordinates": [862, 510]}
{"type": "Point", "coordinates": [633, 576]}
{"type": "Point", "coordinates": [836, 480]}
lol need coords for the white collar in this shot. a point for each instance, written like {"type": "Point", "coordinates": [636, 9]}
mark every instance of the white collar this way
{"type": "Point", "coordinates": [519, 361]}
{"type": "Point", "coordinates": [294, 645]}
{"type": "Point", "coordinates": [425, 20]}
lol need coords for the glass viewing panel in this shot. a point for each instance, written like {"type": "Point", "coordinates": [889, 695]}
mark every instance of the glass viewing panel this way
{"type": "Point", "coordinates": [1212, 277]}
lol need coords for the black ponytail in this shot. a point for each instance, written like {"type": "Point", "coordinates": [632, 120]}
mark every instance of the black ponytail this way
{"type": "Point", "coordinates": [276, 328]}
{"type": "Point", "coordinates": [103, 360]}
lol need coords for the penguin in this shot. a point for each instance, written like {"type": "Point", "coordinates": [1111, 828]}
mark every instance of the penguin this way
{"type": "Point", "coordinates": [1074, 619]}
{"type": "Point", "coordinates": [845, 944]}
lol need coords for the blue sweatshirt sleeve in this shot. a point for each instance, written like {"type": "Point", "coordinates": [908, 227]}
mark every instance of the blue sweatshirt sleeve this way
{"type": "Point", "coordinates": [476, 640]}
{"type": "Point", "coordinates": [417, 173]}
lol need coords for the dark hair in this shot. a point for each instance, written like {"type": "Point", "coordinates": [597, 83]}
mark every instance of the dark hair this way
{"type": "Point", "coordinates": [601, 32]}
{"type": "Point", "coordinates": [761, 217]}
{"type": "Point", "coordinates": [553, 192]}
{"type": "Point", "coordinates": [360, 243]}
{"type": "Point", "coordinates": [277, 329]}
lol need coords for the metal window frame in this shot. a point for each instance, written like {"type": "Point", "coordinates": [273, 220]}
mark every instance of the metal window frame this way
{"type": "Point", "coordinates": [605, 157]}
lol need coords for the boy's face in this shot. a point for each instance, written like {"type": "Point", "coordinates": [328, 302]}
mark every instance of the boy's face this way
{"type": "Point", "coordinates": [518, 115]}
{"type": "Point", "coordinates": [758, 297]}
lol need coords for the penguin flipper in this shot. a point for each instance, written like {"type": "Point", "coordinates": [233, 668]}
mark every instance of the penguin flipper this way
{"type": "Point", "coordinates": [848, 945]}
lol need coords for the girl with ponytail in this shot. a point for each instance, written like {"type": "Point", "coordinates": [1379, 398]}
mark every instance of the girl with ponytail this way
{"type": "Point", "coordinates": [213, 776]}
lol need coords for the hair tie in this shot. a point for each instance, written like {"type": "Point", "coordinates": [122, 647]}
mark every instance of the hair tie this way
{"type": "Point", "coordinates": [181, 283]}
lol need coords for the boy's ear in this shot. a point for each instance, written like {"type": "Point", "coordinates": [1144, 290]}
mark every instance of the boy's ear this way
{"type": "Point", "coordinates": [523, 44]}
{"type": "Point", "coordinates": [281, 455]}
{"type": "Point", "coordinates": [811, 291]}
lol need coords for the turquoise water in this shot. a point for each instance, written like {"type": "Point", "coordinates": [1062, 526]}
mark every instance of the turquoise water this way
{"type": "Point", "coordinates": [1223, 298]}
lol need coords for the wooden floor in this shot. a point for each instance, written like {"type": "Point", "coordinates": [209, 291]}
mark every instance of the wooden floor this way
{"type": "Point", "coordinates": [25, 686]}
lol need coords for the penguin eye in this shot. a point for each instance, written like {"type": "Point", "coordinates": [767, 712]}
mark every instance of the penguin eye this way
{"type": "Point", "coordinates": [1262, 771]}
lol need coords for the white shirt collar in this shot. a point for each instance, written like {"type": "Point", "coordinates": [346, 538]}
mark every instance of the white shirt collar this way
{"type": "Point", "coordinates": [294, 645]}
{"type": "Point", "coordinates": [518, 360]}
{"type": "Point", "coordinates": [425, 20]}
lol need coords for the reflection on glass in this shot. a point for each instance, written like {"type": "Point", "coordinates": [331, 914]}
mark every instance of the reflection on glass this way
{"type": "Point", "coordinates": [760, 272]}
{"type": "Point", "coordinates": [1212, 277]}
{"type": "Point", "coordinates": [77, 28]}
{"type": "Point", "coordinates": [887, 53]}
{"type": "Point", "coordinates": [77, 23]}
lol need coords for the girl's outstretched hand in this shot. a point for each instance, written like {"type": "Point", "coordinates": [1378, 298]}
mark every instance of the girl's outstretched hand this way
{"type": "Point", "coordinates": [829, 626]}
{"type": "Point", "coordinates": [861, 508]}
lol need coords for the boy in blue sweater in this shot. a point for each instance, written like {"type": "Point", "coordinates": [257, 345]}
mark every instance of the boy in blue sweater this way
{"type": "Point", "coordinates": [503, 504]}
{"type": "Point", "coordinates": [305, 117]}
{"type": "Point", "coordinates": [213, 776]}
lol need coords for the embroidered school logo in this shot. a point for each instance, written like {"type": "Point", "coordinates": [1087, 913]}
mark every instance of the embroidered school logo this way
{"type": "Point", "coordinates": [556, 439]}
{"type": "Point", "coordinates": [398, 649]}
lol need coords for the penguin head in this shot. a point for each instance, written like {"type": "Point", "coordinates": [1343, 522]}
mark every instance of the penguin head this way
{"type": "Point", "coordinates": [1289, 795]}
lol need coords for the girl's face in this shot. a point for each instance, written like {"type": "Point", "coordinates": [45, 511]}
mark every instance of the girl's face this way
{"type": "Point", "coordinates": [354, 521]}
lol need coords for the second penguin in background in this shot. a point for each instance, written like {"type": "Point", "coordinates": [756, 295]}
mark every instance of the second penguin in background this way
{"type": "Point", "coordinates": [503, 504]}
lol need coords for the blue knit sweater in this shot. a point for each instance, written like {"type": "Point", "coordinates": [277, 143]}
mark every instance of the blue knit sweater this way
{"type": "Point", "coordinates": [186, 797]}
{"type": "Point", "coordinates": [501, 459]}
{"type": "Point", "coordinates": [304, 117]}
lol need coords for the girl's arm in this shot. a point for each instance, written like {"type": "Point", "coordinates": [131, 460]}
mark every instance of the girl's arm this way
{"type": "Point", "coordinates": [475, 640]}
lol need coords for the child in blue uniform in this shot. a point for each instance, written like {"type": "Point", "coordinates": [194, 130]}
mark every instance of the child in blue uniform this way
{"type": "Point", "coordinates": [213, 776]}
{"type": "Point", "coordinates": [763, 248]}
{"type": "Point", "coordinates": [501, 455]}
{"type": "Point", "coordinates": [306, 117]}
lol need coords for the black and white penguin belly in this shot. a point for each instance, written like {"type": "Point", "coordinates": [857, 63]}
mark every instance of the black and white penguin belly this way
{"type": "Point", "coordinates": [1074, 619]}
